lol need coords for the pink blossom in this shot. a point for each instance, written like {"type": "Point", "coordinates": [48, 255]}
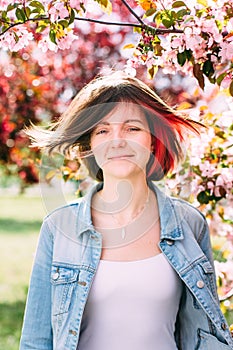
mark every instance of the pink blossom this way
{"type": "Point", "coordinates": [210, 186]}
{"type": "Point", "coordinates": [58, 10]}
{"type": "Point", "coordinates": [4, 4]}
{"type": "Point", "coordinates": [226, 50]}
{"type": "Point", "coordinates": [207, 169]}
{"type": "Point", "coordinates": [226, 81]}
{"type": "Point", "coordinates": [46, 44]}
{"type": "Point", "coordinates": [229, 26]}
{"type": "Point", "coordinates": [225, 179]}
{"type": "Point", "coordinates": [224, 269]}
{"type": "Point", "coordinates": [130, 70]}
{"type": "Point", "coordinates": [75, 3]}
{"type": "Point", "coordinates": [209, 26]}
{"type": "Point", "coordinates": [9, 40]}
{"type": "Point", "coordinates": [177, 43]}
{"type": "Point", "coordinates": [66, 41]}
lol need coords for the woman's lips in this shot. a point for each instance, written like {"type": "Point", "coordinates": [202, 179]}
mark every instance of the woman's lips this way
{"type": "Point", "coordinates": [123, 156]}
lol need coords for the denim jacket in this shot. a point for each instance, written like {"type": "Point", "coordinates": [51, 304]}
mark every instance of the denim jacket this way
{"type": "Point", "coordinates": [67, 258]}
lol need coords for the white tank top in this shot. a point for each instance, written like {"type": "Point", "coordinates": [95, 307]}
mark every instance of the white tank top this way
{"type": "Point", "coordinates": [132, 305]}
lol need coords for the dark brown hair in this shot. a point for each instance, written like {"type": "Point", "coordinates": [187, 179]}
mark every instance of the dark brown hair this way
{"type": "Point", "coordinates": [96, 100]}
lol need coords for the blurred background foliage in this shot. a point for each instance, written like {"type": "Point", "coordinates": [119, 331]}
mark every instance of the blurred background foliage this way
{"type": "Point", "coordinates": [36, 87]}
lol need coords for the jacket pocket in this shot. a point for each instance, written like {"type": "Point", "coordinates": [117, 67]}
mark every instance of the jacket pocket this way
{"type": "Point", "coordinates": [209, 277]}
{"type": "Point", "coordinates": [207, 341]}
{"type": "Point", "coordinates": [205, 274]}
{"type": "Point", "coordinates": [63, 280]}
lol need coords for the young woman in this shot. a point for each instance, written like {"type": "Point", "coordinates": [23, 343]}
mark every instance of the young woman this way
{"type": "Point", "coordinates": [125, 267]}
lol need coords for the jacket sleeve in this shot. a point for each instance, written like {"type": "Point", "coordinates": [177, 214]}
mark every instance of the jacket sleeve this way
{"type": "Point", "coordinates": [37, 330]}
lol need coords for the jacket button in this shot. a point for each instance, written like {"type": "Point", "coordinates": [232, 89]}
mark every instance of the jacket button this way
{"type": "Point", "coordinates": [72, 332]}
{"type": "Point", "coordinates": [170, 242]}
{"type": "Point", "coordinates": [94, 237]}
{"type": "Point", "coordinates": [200, 284]}
{"type": "Point", "coordinates": [82, 283]}
{"type": "Point", "coordinates": [224, 326]}
{"type": "Point", "coordinates": [55, 276]}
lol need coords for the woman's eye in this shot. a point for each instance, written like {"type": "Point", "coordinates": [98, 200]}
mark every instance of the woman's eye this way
{"type": "Point", "coordinates": [133, 128]}
{"type": "Point", "coordinates": [101, 131]}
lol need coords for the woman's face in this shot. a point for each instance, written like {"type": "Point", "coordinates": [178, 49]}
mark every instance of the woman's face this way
{"type": "Point", "coordinates": [121, 142]}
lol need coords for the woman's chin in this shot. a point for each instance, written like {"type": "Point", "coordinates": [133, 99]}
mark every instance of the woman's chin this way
{"type": "Point", "coordinates": [122, 171]}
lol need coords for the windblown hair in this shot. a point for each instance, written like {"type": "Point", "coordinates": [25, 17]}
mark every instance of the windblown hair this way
{"type": "Point", "coordinates": [72, 132]}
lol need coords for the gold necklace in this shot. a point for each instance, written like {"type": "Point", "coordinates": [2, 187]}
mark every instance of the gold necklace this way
{"type": "Point", "coordinates": [123, 228]}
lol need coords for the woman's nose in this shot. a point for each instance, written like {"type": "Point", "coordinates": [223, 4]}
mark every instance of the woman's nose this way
{"type": "Point", "coordinates": [118, 137]}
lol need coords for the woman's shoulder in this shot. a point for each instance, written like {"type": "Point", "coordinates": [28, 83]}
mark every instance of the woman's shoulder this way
{"type": "Point", "coordinates": [190, 217]}
{"type": "Point", "coordinates": [63, 209]}
{"type": "Point", "coordinates": [65, 215]}
{"type": "Point", "coordinates": [179, 213]}
{"type": "Point", "coordinates": [178, 205]}
{"type": "Point", "coordinates": [187, 206]}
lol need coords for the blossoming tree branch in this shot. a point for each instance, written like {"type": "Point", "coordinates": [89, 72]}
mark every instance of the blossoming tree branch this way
{"type": "Point", "coordinates": [193, 37]}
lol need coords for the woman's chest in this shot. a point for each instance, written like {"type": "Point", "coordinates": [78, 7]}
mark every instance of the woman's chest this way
{"type": "Point", "coordinates": [133, 247]}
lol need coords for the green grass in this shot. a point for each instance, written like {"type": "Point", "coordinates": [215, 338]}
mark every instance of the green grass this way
{"type": "Point", "coordinates": [20, 220]}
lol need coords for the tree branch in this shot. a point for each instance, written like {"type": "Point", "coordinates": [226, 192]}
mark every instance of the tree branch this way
{"type": "Point", "coordinates": [155, 31]}
{"type": "Point", "coordinates": [124, 24]}
{"type": "Point", "coordinates": [133, 13]}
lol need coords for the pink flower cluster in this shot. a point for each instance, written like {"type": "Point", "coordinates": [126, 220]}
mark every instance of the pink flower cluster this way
{"type": "Point", "coordinates": [207, 35]}
{"type": "Point", "coordinates": [16, 40]}
{"type": "Point", "coordinates": [58, 11]}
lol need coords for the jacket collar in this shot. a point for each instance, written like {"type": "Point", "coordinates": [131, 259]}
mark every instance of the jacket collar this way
{"type": "Point", "coordinates": [170, 215]}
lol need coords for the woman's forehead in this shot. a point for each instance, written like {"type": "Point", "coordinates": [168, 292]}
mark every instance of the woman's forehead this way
{"type": "Point", "coordinates": [125, 111]}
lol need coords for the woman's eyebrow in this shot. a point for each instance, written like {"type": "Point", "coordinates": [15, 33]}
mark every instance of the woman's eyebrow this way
{"type": "Point", "coordinates": [102, 123]}
{"type": "Point", "coordinates": [125, 122]}
{"type": "Point", "coordinates": [133, 120]}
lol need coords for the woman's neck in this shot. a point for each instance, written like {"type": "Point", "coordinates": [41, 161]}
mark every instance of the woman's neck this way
{"type": "Point", "coordinates": [123, 198]}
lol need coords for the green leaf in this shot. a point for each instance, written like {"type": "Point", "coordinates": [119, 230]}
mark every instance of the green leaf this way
{"type": "Point", "coordinates": [203, 197]}
{"type": "Point", "coordinates": [37, 11]}
{"type": "Point", "coordinates": [157, 19]}
{"type": "Point", "coordinates": [220, 78]}
{"type": "Point", "coordinates": [181, 13]}
{"type": "Point", "coordinates": [11, 7]}
{"type": "Point", "coordinates": [72, 16]}
{"type": "Point", "coordinates": [189, 54]}
{"type": "Point", "coordinates": [64, 23]}
{"type": "Point", "coordinates": [150, 12]}
{"type": "Point", "coordinates": [20, 14]}
{"type": "Point", "coordinates": [37, 4]}
{"type": "Point", "coordinates": [181, 58]}
{"type": "Point", "coordinates": [106, 5]}
{"type": "Point", "coordinates": [231, 88]}
{"type": "Point", "coordinates": [28, 12]}
{"type": "Point", "coordinates": [137, 30]}
{"type": "Point", "coordinates": [156, 40]}
{"type": "Point", "coordinates": [167, 22]}
{"type": "Point", "coordinates": [52, 36]}
{"type": "Point", "coordinates": [203, 2]}
{"type": "Point", "coordinates": [198, 74]}
{"type": "Point", "coordinates": [16, 37]}
{"type": "Point", "coordinates": [4, 28]}
{"type": "Point", "coordinates": [178, 4]}
{"type": "Point", "coordinates": [40, 28]}
{"type": "Point", "coordinates": [4, 15]}
{"type": "Point", "coordinates": [208, 68]}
